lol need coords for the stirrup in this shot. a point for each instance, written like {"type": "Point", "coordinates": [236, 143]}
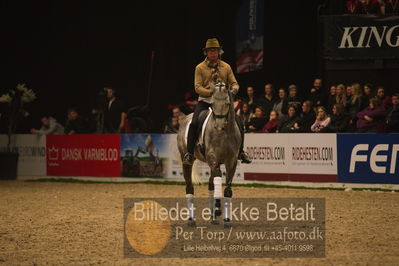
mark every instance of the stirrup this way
{"type": "Point", "coordinates": [188, 159]}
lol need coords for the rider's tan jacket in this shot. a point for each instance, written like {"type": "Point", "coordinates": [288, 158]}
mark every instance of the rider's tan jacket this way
{"type": "Point", "coordinates": [204, 75]}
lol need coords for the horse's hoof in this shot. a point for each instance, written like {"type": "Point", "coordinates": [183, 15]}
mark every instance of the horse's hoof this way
{"type": "Point", "coordinates": [191, 223]}
{"type": "Point", "coordinates": [227, 223]}
{"type": "Point", "coordinates": [215, 222]}
{"type": "Point", "coordinates": [218, 212]}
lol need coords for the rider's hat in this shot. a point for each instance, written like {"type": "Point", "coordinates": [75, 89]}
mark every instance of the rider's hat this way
{"type": "Point", "coordinates": [212, 43]}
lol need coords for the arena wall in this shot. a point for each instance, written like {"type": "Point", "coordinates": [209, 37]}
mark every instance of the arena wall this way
{"type": "Point", "coordinates": [347, 158]}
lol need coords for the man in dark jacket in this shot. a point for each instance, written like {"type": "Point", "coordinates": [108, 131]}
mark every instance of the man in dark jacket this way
{"type": "Point", "coordinates": [115, 113]}
{"type": "Point", "coordinates": [306, 118]}
{"type": "Point", "coordinates": [75, 123]}
{"type": "Point", "coordinates": [392, 118]}
{"type": "Point", "coordinates": [317, 95]}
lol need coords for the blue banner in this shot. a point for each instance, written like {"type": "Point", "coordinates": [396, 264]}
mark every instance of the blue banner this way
{"type": "Point", "coordinates": [368, 158]}
{"type": "Point", "coordinates": [249, 36]}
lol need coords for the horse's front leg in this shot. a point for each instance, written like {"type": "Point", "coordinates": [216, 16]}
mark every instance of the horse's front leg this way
{"type": "Point", "coordinates": [228, 193]}
{"type": "Point", "coordinates": [215, 188]}
{"type": "Point", "coordinates": [187, 169]}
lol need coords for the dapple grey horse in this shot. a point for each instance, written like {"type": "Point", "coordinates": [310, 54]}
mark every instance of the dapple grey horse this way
{"type": "Point", "coordinates": [221, 145]}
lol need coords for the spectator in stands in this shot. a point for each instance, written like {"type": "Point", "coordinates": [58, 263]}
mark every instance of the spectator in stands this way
{"type": "Point", "coordinates": [258, 120]}
{"type": "Point", "coordinates": [386, 101]}
{"type": "Point", "coordinates": [391, 6]}
{"type": "Point", "coordinates": [306, 118]}
{"type": "Point", "coordinates": [339, 120]}
{"type": "Point", "coordinates": [287, 125]}
{"type": "Point", "coordinates": [251, 99]}
{"type": "Point", "coordinates": [49, 126]}
{"type": "Point", "coordinates": [368, 93]}
{"type": "Point", "coordinates": [76, 124]}
{"type": "Point", "coordinates": [354, 105]}
{"type": "Point", "coordinates": [375, 6]}
{"type": "Point", "coordinates": [355, 7]}
{"type": "Point", "coordinates": [273, 123]}
{"type": "Point", "coordinates": [245, 114]}
{"type": "Point", "coordinates": [115, 113]}
{"type": "Point", "coordinates": [267, 100]}
{"type": "Point", "coordinates": [293, 98]}
{"type": "Point", "coordinates": [322, 120]}
{"type": "Point", "coordinates": [372, 118]}
{"type": "Point", "coordinates": [176, 112]}
{"type": "Point", "coordinates": [281, 104]}
{"type": "Point", "coordinates": [189, 103]}
{"type": "Point", "coordinates": [331, 98]}
{"type": "Point", "coordinates": [348, 91]}
{"type": "Point", "coordinates": [341, 95]}
{"type": "Point", "coordinates": [172, 126]}
{"type": "Point", "coordinates": [237, 103]}
{"type": "Point", "coordinates": [317, 95]}
{"type": "Point", "coordinates": [392, 115]}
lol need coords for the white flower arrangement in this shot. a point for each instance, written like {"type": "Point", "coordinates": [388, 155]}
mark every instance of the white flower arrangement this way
{"type": "Point", "coordinates": [27, 96]}
{"type": "Point", "coordinates": [16, 99]}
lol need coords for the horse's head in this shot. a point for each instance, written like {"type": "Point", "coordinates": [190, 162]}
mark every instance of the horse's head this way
{"type": "Point", "coordinates": [221, 103]}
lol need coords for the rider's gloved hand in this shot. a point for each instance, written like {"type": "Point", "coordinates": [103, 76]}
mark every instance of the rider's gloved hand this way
{"type": "Point", "coordinates": [234, 91]}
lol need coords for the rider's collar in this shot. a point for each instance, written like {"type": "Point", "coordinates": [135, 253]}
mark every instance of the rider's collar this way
{"type": "Point", "coordinates": [212, 65]}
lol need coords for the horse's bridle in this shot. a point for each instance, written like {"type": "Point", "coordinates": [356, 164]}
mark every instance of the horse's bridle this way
{"type": "Point", "coordinates": [227, 113]}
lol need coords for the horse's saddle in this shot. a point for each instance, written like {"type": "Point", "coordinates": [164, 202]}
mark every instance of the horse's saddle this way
{"type": "Point", "coordinates": [202, 122]}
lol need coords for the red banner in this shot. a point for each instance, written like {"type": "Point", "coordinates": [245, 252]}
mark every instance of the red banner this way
{"type": "Point", "coordinates": [83, 155]}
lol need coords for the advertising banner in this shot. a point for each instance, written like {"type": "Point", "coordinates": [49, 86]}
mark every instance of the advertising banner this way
{"type": "Point", "coordinates": [249, 34]}
{"type": "Point", "coordinates": [368, 158]}
{"type": "Point", "coordinates": [83, 155]}
{"type": "Point", "coordinates": [304, 157]}
{"type": "Point", "coordinates": [144, 155]}
{"type": "Point", "coordinates": [361, 37]}
{"type": "Point", "coordinates": [32, 153]}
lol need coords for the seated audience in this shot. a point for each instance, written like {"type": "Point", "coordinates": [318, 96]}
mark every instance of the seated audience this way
{"type": "Point", "coordinates": [355, 101]}
{"type": "Point", "coordinates": [251, 99]}
{"type": "Point", "coordinates": [331, 100]}
{"type": "Point", "coordinates": [386, 101]}
{"type": "Point", "coordinates": [176, 112]}
{"type": "Point", "coordinates": [49, 126]}
{"type": "Point", "coordinates": [258, 121]}
{"type": "Point", "coordinates": [341, 95]}
{"type": "Point", "coordinates": [293, 98]}
{"type": "Point", "coordinates": [317, 95]}
{"type": "Point", "coordinates": [189, 103]}
{"type": "Point", "coordinates": [391, 6]}
{"type": "Point", "coordinates": [281, 105]}
{"type": "Point", "coordinates": [287, 124]}
{"type": "Point", "coordinates": [267, 100]}
{"type": "Point", "coordinates": [172, 126]}
{"type": "Point", "coordinates": [76, 124]}
{"type": "Point", "coordinates": [367, 94]}
{"type": "Point", "coordinates": [372, 118]}
{"type": "Point", "coordinates": [237, 103]}
{"type": "Point", "coordinates": [306, 118]}
{"type": "Point", "coordinates": [245, 114]}
{"type": "Point", "coordinates": [392, 115]}
{"type": "Point", "coordinates": [272, 125]}
{"type": "Point", "coordinates": [322, 120]}
{"type": "Point", "coordinates": [339, 120]}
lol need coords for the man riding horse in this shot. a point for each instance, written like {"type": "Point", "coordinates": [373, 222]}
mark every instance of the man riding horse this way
{"type": "Point", "coordinates": [211, 71]}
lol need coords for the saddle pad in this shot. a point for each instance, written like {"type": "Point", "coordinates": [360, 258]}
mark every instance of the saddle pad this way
{"type": "Point", "coordinates": [201, 137]}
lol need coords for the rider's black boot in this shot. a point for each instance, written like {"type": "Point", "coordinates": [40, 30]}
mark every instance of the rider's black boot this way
{"type": "Point", "coordinates": [188, 158]}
